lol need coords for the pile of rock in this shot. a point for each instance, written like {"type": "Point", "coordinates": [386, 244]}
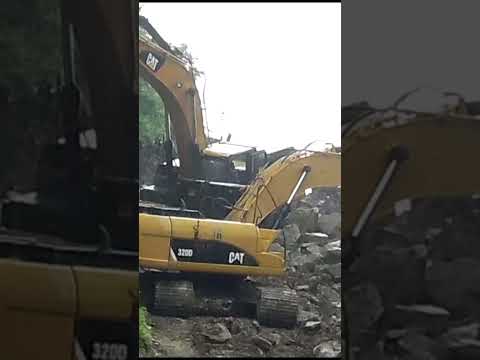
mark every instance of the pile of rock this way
{"type": "Point", "coordinates": [312, 234]}
{"type": "Point", "coordinates": [414, 291]}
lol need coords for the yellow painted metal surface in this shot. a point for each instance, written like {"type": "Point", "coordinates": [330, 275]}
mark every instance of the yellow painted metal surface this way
{"type": "Point", "coordinates": [243, 236]}
{"type": "Point", "coordinates": [105, 293]}
{"type": "Point", "coordinates": [443, 157]}
{"type": "Point", "coordinates": [37, 335]}
{"type": "Point", "coordinates": [156, 233]}
{"type": "Point", "coordinates": [37, 310]}
{"type": "Point", "coordinates": [40, 303]}
{"type": "Point", "coordinates": [273, 186]}
{"type": "Point", "coordinates": [154, 240]}
{"type": "Point", "coordinates": [266, 238]}
{"type": "Point", "coordinates": [262, 270]}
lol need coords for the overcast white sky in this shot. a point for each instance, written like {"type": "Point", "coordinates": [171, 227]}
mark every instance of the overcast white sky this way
{"type": "Point", "coordinates": [272, 69]}
{"type": "Point", "coordinates": [391, 47]}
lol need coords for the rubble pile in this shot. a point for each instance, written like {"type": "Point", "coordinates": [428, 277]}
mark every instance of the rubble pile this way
{"type": "Point", "coordinates": [312, 234]}
{"type": "Point", "coordinates": [414, 291]}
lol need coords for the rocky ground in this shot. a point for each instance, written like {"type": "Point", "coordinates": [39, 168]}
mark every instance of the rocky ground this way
{"type": "Point", "coordinates": [312, 231]}
{"type": "Point", "coordinates": [414, 291]}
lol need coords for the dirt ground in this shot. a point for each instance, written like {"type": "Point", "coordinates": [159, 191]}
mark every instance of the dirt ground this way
{"type": "Point", "coordinates": [176, 337]}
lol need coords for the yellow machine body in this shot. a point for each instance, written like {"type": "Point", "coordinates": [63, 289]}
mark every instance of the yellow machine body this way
{"type": "Point", "coordinates": [440, 148]}
{"type": "Point", "coordinates": [47, 304]}
{"type": "Point", "coordinates": [205, 245]}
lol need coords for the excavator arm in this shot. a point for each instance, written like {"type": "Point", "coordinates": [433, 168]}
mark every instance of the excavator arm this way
{"type": "Point", "coordinates": [273, 186]}
{"type": "Point", "coordinates": [173, 79]}
{"type": "Point", "coordinates": [174, 82]}
{"type": "Point", "coordinates": [423, 157]}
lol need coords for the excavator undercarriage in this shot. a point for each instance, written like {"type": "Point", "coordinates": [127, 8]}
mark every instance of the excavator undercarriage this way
{"type": "Point", "coordinates": [187, 294]}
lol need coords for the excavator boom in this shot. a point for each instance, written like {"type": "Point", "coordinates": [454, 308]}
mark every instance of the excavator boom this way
{"type": "Point", "coordinates": [175, 83]}
{"type": "Point", "coordinates": [432, 145]}
{"type": "Point", "coordinates": [274, 185]}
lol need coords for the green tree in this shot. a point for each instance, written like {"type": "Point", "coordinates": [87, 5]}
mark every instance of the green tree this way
{"type": "Point", "coordinates": [152, 131]}
{"type": "Point", "coordinates": [145, 331]}
{"type": "Point", "coordinates": [151, 115]}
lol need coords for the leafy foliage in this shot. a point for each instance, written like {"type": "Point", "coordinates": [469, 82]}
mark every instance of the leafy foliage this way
{"type": "Point", "coordinates": [30, 43]}
{"type": "Point", "coordinates": [30, 57]}
{"type": "Point", "coordinates": [152, 131]}
{"type": "Point", "coordinates": [151, 115]}
{"type": "Point", "coordinates": [144, 330]}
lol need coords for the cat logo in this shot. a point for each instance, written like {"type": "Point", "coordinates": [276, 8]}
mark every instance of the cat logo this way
{"type": "Point", "coordinates": [235, 256]}
{"type": "Point", "coordinates": [218, 235]}
{"type": "Point", "coordinates": [152, 62]}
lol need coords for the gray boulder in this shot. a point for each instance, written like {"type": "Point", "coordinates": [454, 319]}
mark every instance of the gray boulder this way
{"type": "Point", "coordinates": [330, 224]}
{"type": "Point", "coordinates": [305, 219]}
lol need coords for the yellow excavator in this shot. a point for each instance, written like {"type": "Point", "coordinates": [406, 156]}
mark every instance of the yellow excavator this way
{"type": "Point", "coordinates": [395, 155]}
{"type": "Point", "coordinates": [68, 241]}
{"type": "Point", "coordinates": [187, 258]}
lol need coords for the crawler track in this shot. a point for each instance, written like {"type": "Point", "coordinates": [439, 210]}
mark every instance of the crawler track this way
{"type": "Point", "coordinates": [186, 295]}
